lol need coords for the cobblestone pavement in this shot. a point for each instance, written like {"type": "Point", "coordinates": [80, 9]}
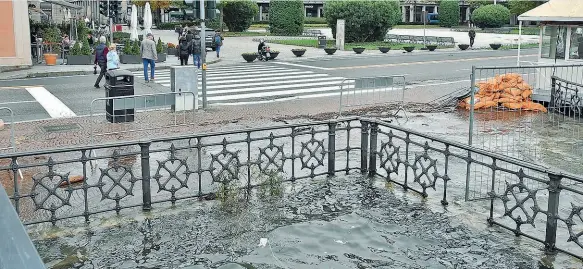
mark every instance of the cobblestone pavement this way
{"type": "Point", "coordinates": [33, 135]}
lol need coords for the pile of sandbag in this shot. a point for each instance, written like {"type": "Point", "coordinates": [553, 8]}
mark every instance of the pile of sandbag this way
{"type": "Point", "coordinates": [509, 91]}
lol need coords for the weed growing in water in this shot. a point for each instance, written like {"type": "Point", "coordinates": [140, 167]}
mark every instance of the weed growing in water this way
{"type": "Point", "coordinates": [270, 184]}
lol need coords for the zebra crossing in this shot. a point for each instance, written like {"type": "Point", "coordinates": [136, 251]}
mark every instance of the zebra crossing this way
{"type": "Point", "coordinates": [258, 83]}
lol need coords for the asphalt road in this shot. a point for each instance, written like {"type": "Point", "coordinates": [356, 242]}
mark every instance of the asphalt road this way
{"type": "Point", "coordinates": [44, 98]}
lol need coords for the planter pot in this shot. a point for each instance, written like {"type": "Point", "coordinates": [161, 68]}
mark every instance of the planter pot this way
{"type": "Point", "coordinates": [384, 49]}
{"type": "Point", "coordinates": [298, 53]}
{"type": "Point", "coordinates": [431, 47]}
{"type": "Point", "coordinates": [130, 59]}
{"type": "Point", "coordinates": [274, 55]}
{"type": "Point", "coordinates": [463, 46]}
{"type": "Point", "coordinates": [161, 57]}
{"type": "Point", "coordinates": [330, 51]}
{"type": "Point", "coordinates": [495, 46]}
{"type": "Point", "coordinates": [50, 58]}
{"type": "Point", "coordinates": [172, 51]}
{"type": "Point", "coordinates": [358, 50]}
{"type": "Point", "coordinates": [408, 49]}
{"type": "Point", "coordinates": [79, 60]}
{"type": "Point", "coordinates": [249, 57]}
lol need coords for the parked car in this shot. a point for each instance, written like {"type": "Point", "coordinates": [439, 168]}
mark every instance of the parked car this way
{"type": "Point", "coordinates": [209, 34]}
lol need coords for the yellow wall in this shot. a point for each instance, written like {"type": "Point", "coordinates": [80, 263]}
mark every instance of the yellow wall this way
{"type": "Point", "coordinates": [14, 33]}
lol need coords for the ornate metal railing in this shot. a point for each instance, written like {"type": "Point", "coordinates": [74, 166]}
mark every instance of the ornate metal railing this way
{"type": "Point", "coordinates": [531, 201]}
{"type": "Point", "coordinates": [566, 97]}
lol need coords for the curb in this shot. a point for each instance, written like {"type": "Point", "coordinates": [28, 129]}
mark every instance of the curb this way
{"type": "Point", "coordinates": [79, 73]}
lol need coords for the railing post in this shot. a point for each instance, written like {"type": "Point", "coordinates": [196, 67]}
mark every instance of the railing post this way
{"type": "Point", "coordinates": [146, 192]}
{"type": "Point", "coordinates": [552, 213]}
{"type": "Point", "coordinates": [553, 94]}
{"type": "Point", "coordinates": [373, 149]}
{"type": "Point", "coordinates": [363, 146]}
{"type": "Point", "coordinates": [331, 148]}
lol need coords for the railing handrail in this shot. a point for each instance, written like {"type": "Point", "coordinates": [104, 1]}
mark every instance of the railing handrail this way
{"type": "Point", "coordinates": [497, 156]}
{"type": "Point", "coordinates": [527, 66]}
{"type": "Point", "coordinates": [166, 138]}
{"type": "Point", "coordinates": [567, 81]}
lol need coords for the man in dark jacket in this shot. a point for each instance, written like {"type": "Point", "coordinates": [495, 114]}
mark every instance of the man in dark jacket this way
{"type": "Point", "coordinates": [101, 59]}
{"type": "Point", "coordinates": [472, 35]}
{"type": "Point", "coordinates": [184, 50]}
{"type": "Point", "coordinates": [196, 50]}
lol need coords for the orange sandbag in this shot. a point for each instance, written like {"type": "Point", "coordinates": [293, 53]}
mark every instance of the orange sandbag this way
{"type": "Point", "coordinates": [524, 86]}
{"type": "Point", "coordinates": [489, 104]}
{"type": "Point", "coordinates": [507, 100]}
{"type": "Point", "coordinates": [478, 105]}
{"type": "Point", "coordinates": [526, 94]}
{"type": "Point", "coordinates": [533, 106]}
{"type": "Point", "coordinates": [510, 96]}
{"type": "Point", "coordinates": [515, 91]}
{"type": "Point", "coordinates": [513, 105]}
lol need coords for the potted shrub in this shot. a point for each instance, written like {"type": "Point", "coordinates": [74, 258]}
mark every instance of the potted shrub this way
{"type": "Point", "coordinates": [52, 41]}
{"type": "Point", "coordinates": [274, 54]}
{"type": "Point", "coordinates": [409, 48]}
{"type": "Point", "coordinates": [431, 47]}
{"type": "Point", "coordinates": [384, 49]}
{"type": "Point", "coordinates": [495, 46]}
{"type": "Point", "coordinates": [249, 56]}
{"type": "Point", "coordinates": [358, 50]}
{"type": "Point", "coordinates": [298, 52]}
{"type": "Point", "coordinates": [463, 46]}
{"type": "Point", "coordinates": [330, 51]}
{"type": "Point", "coordinates": [160, 51]}
{"type": "Point", "coordinates": [131, 53]}
{"type": "Point", "coordinates": [172, 49]}
{"type": "Point", "coordinates": [80, 55]}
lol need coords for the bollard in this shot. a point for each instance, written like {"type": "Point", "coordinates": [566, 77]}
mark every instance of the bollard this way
{"type": "Point", "coordinates": [146, 192]}
{"type": "Point", "coordinates": [363, 146]}
{"type": "Point", "coordinates": [552, 213]}
{"type": "Point", "coordinates": [372, 169]}
{"type": "Point", "coordinates": [331, 148]}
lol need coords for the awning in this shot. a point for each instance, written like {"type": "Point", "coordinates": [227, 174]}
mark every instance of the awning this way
{"type": "Point", "coordinates": [62, 3]}
{"type": "Point", "coordinates": [556, 10]}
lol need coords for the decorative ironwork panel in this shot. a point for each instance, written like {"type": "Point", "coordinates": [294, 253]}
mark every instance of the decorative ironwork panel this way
{"type": "Point", "coordinates": [225, 165]}
{"type": "Point", "coordinates": [116, 182]}
{"type": "Point", "coordinates": [177, 170]}
{"type": "Point", "coordinates": [271, 157]}
{"type": "Point", "coordinates": [47, 192]}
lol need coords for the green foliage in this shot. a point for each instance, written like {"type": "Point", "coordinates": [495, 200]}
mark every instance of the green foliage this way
{"type": "Point", "coordinates": [449, 13]}
{"type": "Point", "coordinates": [479, 3]}
{"type": "Point", "coordinates": [491, 16]}
{"type": "Point", "coordinates": [85, 49]}
{"type": "Point", "coordinates": [271, 184]}
{"type": "Point", "coordinates": [127, 49]}
{"type": "Point", "coordinates": [286, 17]}
{"type": "Point", "coordinates": [518, 7]}
{"type": "Point", "coordinates": [215, 24]}
{"type": "Point", "coordinates": [365, 20]}
{"type": "Point", "coordinates": [52, 37]}
{"type": "Point", "coordinates": [135, 48]}
{"type": "Point", "coordinates": [314, 20]}
{"type": "Point", "coordinates": [159, 46]}
{"type": "Point", "coordinates": [76, 49]}
{"type": "Point", "coordinates": [238, 15]}
{"type": "Point", "coordinates": [82, 30]}
{"type": "Point", "coordinates": [121, 35]}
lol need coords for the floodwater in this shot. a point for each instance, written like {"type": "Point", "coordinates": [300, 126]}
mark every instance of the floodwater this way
{"type": "Point", "coordinates": [347, 221]}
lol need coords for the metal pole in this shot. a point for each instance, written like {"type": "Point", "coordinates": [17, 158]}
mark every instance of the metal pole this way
{"type": "Point", "coordinates": [424, 22]}
{"type": "Point", "coordinates": [331, 148]}
{"type": "Point", "coordinates": [372, 169]}
{"type": "Point", "coordinates": [145, 163]}
{"type": "Point", "coordinates": [203, 54]}
{"type": "Point", "coordinates": [519, 41]}
{"type": "Point", "coordinates": [110, 23]}
{"type": "Point", "coordinates": [553, 213]}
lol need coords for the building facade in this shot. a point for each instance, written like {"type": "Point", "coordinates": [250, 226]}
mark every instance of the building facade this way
{"type": "Point", "coordinates": [14, 30]}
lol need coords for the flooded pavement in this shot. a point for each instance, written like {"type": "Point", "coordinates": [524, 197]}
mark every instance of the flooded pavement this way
{"type": "Point", "coordinates": [341, 222]}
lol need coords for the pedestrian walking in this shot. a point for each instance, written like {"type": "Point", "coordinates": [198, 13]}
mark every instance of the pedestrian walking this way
{"type": "Point", "coordinates": [101, 51]}
{"type": "Point", "coordinates": [112, 58]}
{"type": "Point", "coordinates": [196, 50]}
{"type": "Point", "coordinates": [472, 35]}
{"type": "Point", "coordinates": [218, 40]}
{"type": "Point", "coordinates": [149, 56]}
{"type": "Point", "coordinates": [185, 49]}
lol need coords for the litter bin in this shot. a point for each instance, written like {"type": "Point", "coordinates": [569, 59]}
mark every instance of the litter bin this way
{"type": "Point", "coordinates": [119, 83]}
{"type": "Point", "coordinates": [322, 41]}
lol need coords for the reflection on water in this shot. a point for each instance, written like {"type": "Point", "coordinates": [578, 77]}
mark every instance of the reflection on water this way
{"type": "Point", "coordinates": [341, 222]}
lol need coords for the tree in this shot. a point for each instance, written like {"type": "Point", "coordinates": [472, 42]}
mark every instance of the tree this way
{"type": "Point", "coordinates": [518, 7]}
{"type": "Point", "coordinates": [478, 3]}
{"type": "Point", "coordinates": [154, 4]}
{"type": "Point", "coordinates": [238, 15]}
{"type": "Point", "coordinates": [449, 13]}
{"type": "Point", "coordinates": [286, 17]}
{"type": "Point", "coordinates": [491, 16]}
{"type": "Point", "coordinates": [367, 20]}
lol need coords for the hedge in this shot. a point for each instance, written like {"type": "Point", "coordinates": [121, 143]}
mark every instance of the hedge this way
{"type": "Point", "coordinates": [214, 24]}
{"type": "Point", "coordinates": [238, 15]}
{"type": "Point", "coordinates": [449, 13]}
{"type": "Point", "coordinates": [491, 16]}
{"type": "Point", "coordinates": [366, 21]}
{"type": "Point", "coordinates": [286, 17]}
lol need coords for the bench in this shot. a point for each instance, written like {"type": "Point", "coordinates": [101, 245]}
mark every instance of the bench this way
{"type": "Point", "coordinates": [411, 39]}
{"type": "Point", "coordinates": [312, 32]}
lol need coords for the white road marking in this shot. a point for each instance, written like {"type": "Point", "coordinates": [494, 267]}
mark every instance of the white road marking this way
{"type": "Point", "coordinates": [302, 65]}
{"type": "Point", "coordinates": [18, 102]}
{"type": "Point", "coordinates": [54, 107]}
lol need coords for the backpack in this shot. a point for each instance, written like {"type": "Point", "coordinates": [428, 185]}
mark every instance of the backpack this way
{"type": "Point", "coordinates": [99, 52]}
{"type": "Point", "coordinates": [218, 40]}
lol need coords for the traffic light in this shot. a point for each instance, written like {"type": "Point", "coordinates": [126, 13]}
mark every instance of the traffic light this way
{"type": "Point", "coordinates": [114, 9]}
{"type": "Point", "coordinates": [103, 8]}
{"type": "Point", "coordinates": [210, 8]}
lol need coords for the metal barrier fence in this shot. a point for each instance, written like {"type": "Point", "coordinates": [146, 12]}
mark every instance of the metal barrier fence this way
{"type": "Point", "coordinates": [136, 113]}
{"type": "Point", "coordinates": [11, 145]}
{"type": "Point", "coordinates": [359, 92]}
{"type": "Point", "coordinates": [141, 174]}
{"type": "Point", "coordinates": [546, 138]}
